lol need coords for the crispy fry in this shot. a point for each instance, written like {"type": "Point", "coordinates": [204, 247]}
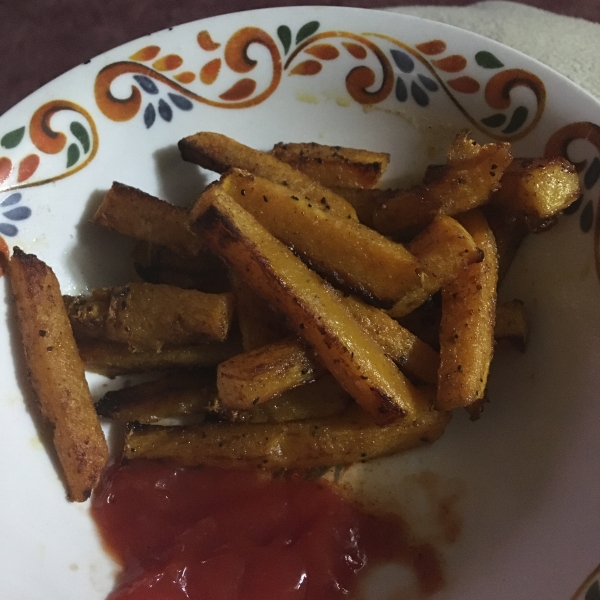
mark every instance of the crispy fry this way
{"type": "Point", "coordinates": [56, 373]}
{"type": "Point", "coordinates": [132, 212]}
{"type": "Point", "coordinates": [219, 153]}
{"type": "Point", "coordinates": [174, 396]}
{"type": "Point", "coordinates": [159, 264]}
{"type": "Point", "coordinates": [258, 322]}
{"type": "Point", "coordinates": [333, 165]}
{"type": "Point", "coordinates": [413, 356]}
{"type": "Point", "coordinates": [342, 250]}
{"type": "Point", "coordinates": [352, 356]}
{"type": "Point", "coordinates": [538, 190]}
{"type": "Point", "coordinates": [257, 376]}
{"type": "Point", "coordinates": [444, 249]}
{"type": "Point", "coordinates": [509, 232]}
{"type": "Point", "coordinates": [192, 396]}
{"type": "Point", "coordinates": [365, 201]}
{"type": "Point", "coordinates": [511, 323]}
{"type": "Point", "coordinates": [147, 316]}
{"type": "Point", "coordinates": [471, 174]}
{"type": "Point", "coordinates": [305, 444]}
{"type": "Point", "coordinates": [467, 325]}
{"type": "Point", "coordinates": [320, 398]}
{"type": "Point", "coordinates": [112, 359]}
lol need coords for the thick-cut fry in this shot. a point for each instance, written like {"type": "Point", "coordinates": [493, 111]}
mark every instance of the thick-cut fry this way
{"type": "Point", "coordinates": [334, 166]}
{"type": "Point", "coordinates": [132, 212]}
{"type": "Point", "coordinates": [509, 232]}
{"type": "Point", "coordinates": [192, 396]}
{"type": "Point", "coordinates": [342, 250]}
{"type": "Point", "coordinates": [511, 323]}
{"type": "Point", "coordinates": [338, 440]}
{"type": "Point", "coordinates": [219, 153]}
{"type": "Point", "coordinates": [159, 264]}
{"type": "Point", "coordinates": [254, 377]}
{"type": "Point", "coordinates": [414, 357]}
{"type": "Point", "coordinates": [467, 325]}
{"type": "Point", "coordinates": [147, 316]}
{"type": "Point", "coordinates": [174, 396]}
{"type": "Point", "coordinates": [471, 174]}
{"type": "Point", "coordinates": [112, 359]}
{"type": "Point", "coordinates": [538, 190]}
{"type": "Point", "coordinates": [444, 249]}
{"type": "Point", "coordinates": [258, 323]}
{"type": "Point", "coordinates": [257, 376]}
{"type": "Point", "coordinates": [56, 373]}
{"type": "Point", "coordinates": [320, 398]}
{"type": "Point", "coordinates": [365, 201]}
{"type": "Point", "coordinates": [315, 313]}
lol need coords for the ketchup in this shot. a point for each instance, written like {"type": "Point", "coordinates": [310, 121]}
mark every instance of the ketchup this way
{"type": "Point", "coordinates": [215, 534]}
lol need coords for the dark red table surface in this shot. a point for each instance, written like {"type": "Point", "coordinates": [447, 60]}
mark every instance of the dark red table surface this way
{"type": "Point", "coordinates": [41, 39]}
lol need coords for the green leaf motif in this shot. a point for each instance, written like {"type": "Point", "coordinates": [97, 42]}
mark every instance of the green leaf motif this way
{"type": "Point", "coordinates": [487, 60]}
{"type": "Point", "coordinates": [72, 155]}
{"type": "Point", "coordinates": [494, 120]}
{"type": "Point", "coordinates": [80, 132]}
{"type": "Point", "coordinates": [12, 138]}
{"type": "Point", "coordinates": [307, 30]}
{"type": "Point", "coordinates": [285, 35]}
{"type": "Point", "coordinates": [516, 121]}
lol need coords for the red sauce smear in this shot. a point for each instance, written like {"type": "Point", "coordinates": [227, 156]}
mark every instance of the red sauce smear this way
{"type": "Point", "coordinates": [214, 534]}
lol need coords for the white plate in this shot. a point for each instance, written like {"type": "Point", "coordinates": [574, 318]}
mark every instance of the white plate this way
{"type": "Point", "coordinates": [511, 501]}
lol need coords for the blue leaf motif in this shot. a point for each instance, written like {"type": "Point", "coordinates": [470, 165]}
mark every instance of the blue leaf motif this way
{"type": "Point", "coordinates": [419, 95]}
{"type": "Point", "coordinates": [401, 90]}
{"type": "Point", "coordinates": [12, 199]}
{"type": "Point", "coordinates": [403, 60]}
{"type": "Point", "coordinates": [428, 83]}
{"type": "Point", "coordinates": [164, 110]}
{"type": "Point", "coordinates": [8, 229]}
{"type": "Point", "coordinates": [149, 116]}
{"type": "Point", "coordinates": [146, 84]}
{"type": "Point", "coordinates": [18, 214]}
{"type": "Point", "coordinates": [181, 102]}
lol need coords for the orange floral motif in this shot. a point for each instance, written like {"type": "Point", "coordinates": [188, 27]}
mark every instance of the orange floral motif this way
{"type": "Point", "coordinates": [323, 51]}
{"type": "Point", "coordinates": [451, 64]}
{"type": "Point", "coordinates": [17, 171]}
{"type": "Point", "coordinates": [5, 168]}
{"type": "Point", "coordinates": [558, 144]}
{"type": "Point", "coordinates": [205, 41]}
{"type": "Point", "coordinates": [145, 54]}
{"type": "Point", "coordinates": [239, 90]}
{"type": "Point", "coordinates": [210, 71]}
{"type": "Point", "coordinates": [307, 67]}
{"type": "Point", "coordinates": [185, 77]}
{"type": "Point", "coordinates": [170, 62]}
{"type": "Point", "coordinates": [367, 83]}
{"type": "Point", "coordinates": [27, 167]}
{"type": "Point", "coordinates": [355, 50]}
{"type": "Point", "coordinates": [240, 95]}
{"type": "Point", "coordinates": [465, 85]}
{"type": "Point", "coordinates": [432, 48]}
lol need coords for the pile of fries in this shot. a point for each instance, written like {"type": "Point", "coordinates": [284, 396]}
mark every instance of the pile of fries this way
{"type": "Point", "coordinates": [302, 318]}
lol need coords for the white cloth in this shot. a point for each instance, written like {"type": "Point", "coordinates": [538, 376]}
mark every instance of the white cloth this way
{"type": "Point", "coordinates": [570, 46]}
